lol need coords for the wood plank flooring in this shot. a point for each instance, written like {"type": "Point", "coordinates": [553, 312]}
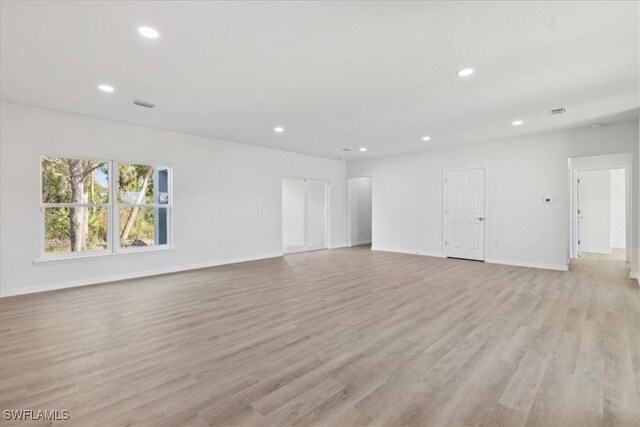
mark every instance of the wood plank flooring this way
{"type": "Point", "coordinates": [342, 337]}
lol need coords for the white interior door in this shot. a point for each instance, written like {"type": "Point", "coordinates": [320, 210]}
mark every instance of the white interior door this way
{"type": "Point", "coordinates": [293, 217]}
{"type": "Point", "coordinates": [594, 205]}
{"type": "Point", "coordinates": [305, 215]}
{"type": "Point", "coordinates": [464, 214]}
{"type": "Point", "coordinates": [316, 211]}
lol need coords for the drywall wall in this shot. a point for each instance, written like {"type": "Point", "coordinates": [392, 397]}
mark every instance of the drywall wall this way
{"type": "Point", "coordinates": [617, 216]}
{"type": "Point", "coordinates": [521, 229]}
{"type": "Point", "coordinates": [359, 210]}
{"type": "Point", "coordinates": [594, 203]}
{"type": "Point", "coordinates": [227, 196]}
{"type": "Point", "coordinates": [635, 246]}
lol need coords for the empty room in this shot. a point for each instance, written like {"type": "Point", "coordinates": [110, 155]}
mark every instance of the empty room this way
{"type": "Point", "coordinates": [321, 213]}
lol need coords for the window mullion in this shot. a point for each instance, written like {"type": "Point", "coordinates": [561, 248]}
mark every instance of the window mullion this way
{"type": "Point", "coordinates": [115, 226]}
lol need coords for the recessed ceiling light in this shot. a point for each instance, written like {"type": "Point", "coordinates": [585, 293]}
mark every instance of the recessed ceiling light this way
{"type": "Point", "coordinates": [465, 72]}
{"type": "Point", "coordinates": [363, 149]}
{"type": "Point", "coordinates": [148, 32]}
{"type": "Point", "coordinates": [426, 138]}
{"type": "Point", "coordinates": [106, 88]}
{"type": "Point", "coordinates": [517, 122]}
{"type": "Point", "coordinates": [278, 129]}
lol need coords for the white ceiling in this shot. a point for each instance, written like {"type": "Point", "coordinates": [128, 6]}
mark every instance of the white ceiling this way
{"type": "Point", "coordinates": [334, 74]}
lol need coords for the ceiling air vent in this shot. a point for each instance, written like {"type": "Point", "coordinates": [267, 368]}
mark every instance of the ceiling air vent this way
{"type": "Point", "coordinates": [142, 103]}
{"type": "Point", "coordinates": [557, 111]}
{"type": "Point", "coordinates": [346, 149]}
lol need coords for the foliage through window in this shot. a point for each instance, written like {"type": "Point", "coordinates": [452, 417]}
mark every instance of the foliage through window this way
{"type": "Point", "coordinates": [80, 198]}
{"type": "Point", "coordinates": [143, 197]}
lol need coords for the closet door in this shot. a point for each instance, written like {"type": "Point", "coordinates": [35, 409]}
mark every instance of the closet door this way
{"type": "Point", "coordinates": [316, 215]}
{"type": "Point", "coordinates": [293, 217]}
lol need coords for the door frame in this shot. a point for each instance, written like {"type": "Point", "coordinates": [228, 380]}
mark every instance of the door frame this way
{"type": "Point", "coordinates": [601, 162]}
{"type": "Point", "coordinates": [327, 215]}
{"type": "Point", "coordinates": [486, 208]}
{"type": "Point", "coordinates": [348, 227]}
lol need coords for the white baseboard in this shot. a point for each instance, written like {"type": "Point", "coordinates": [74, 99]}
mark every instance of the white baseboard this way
{"type": "Point", "coordinates": [362, 242]}
{"type": "Point", "coordinates": [490, 261]}
{"type": "Point", "coordinates": [528, 264]}
{"type": "Point", "coordinates": [135, 275]}
{"type": "Point", "coordinates": [596, 251]}
{"type": "Point", "coordinates": [407, 251]}
{"type": "Point", "coordinates": [634, 275]}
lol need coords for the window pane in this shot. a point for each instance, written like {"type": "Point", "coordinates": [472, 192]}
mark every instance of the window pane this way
{"type": "Point", "coordinates": [143, 184]}
{"type": "Point", "coordinates": [67, 180]}
{"type": "Point", "coordinates": [75, 229]}
{"type": "Point", "coordinates": [143, 226]}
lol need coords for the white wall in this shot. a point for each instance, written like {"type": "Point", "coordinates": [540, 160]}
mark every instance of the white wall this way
{"type": "Point", "coordinates": [635, 248]}
{"type": "Point", "coordinates": [618, 213]}
{"type": "Point", "coordinates": [227, 196]}
{"type": "Point", "coordinates": [521, 229]}
{"type": "Point", "coordinates": [359, 210]}
{"type": "Point", "coordinates": [594, 202]}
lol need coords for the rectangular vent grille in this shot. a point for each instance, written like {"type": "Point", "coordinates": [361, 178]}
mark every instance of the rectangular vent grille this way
{"type": "Point", "coordinates": [143, 103]}
{"type": "Point", "coordinates": [557, 111]}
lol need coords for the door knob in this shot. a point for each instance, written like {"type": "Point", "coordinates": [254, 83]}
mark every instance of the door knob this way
{"type": "Point", "coordinates": [480, 219]}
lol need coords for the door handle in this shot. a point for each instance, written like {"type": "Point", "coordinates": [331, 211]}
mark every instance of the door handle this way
{"type": "Point", "coordinates": [481, 219]}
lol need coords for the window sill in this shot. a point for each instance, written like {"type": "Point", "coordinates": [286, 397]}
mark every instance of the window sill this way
{"type": "Point", "coordinates": [65, 259]}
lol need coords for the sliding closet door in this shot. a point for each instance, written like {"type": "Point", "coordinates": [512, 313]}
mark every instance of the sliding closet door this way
{"type": "Point", "coordinates": [293, 231]}
{"type": "Point", "coordinates": [316, 213]}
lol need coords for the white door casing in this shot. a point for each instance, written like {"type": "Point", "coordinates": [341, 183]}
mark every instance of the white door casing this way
{"type": "Point", "coordinates": [465, 213]}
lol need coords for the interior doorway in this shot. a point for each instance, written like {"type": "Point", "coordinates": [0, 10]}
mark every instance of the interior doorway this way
{"type": "Point", "coordinates": [359, 212]}
{"type": "Point", "coordinates": [600, 213]}
{"type": "Point", "coordinates": [465, 213]}
{"type": "Point", "coordinates": [305, 215]}
{"type": "Point", "coordinates": [601, 207]}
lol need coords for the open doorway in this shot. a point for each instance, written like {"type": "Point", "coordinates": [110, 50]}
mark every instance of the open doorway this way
{"type": "Point", "coordinates": [601, 206]}
{"type": "Point", "coordinates": [305, 215]}
{"type": "Point", "coordinates": [359, 214]}
{"type": "Point", "coordinates": [601, 212]}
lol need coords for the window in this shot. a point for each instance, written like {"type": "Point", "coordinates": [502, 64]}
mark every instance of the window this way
{"type": "Point", "coordinates": [84, 210]}
{"type": "Point", "coordinates": [143, 203]}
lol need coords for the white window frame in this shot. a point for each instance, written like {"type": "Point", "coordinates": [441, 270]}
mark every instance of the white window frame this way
{"type": "Point", "coordinates": [117, 247]}
{"type": "Point", "coordinates": [113, 206]}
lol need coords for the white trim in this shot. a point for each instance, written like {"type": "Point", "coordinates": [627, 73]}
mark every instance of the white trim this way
{"type": "Point", "coordinates": [488, 261]}
{"type": "Point", "coordinates": [596, 251]}
{"type": "Point", "coordinates": [408, 251]}
{"type": "Point", "coordinates": [99, 254]}
{"type": "Point", "coordinates": [136, 275]}
{"type": "Point", "coordinates": [634, 275]}
{"type": "Point", "coordinates": [528, 264]}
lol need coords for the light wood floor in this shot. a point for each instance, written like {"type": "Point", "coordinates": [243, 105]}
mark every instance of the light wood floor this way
{"type": "Point", "coordinates": [341, 337]}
